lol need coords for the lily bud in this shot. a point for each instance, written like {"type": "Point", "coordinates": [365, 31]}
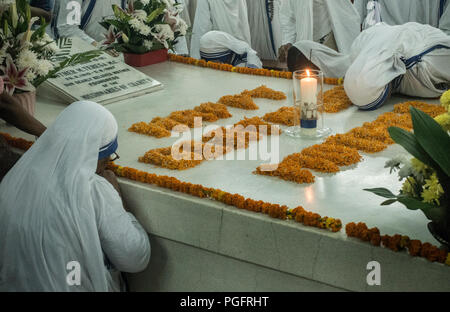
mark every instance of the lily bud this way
{"type": "Point", "coordinates": [14, 16]}
{"type": "Point", "coordinates": [125, 38]}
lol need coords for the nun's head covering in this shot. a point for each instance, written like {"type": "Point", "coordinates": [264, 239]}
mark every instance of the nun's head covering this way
{"type": "Point", "coordinates": [48, 203]}
{"type": "Point", "coordinates": [332, 63]}
{"type": "Point", "coordinates": [219, 46]}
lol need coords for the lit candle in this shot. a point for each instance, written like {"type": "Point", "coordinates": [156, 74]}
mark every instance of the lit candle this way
{"type": "Point", "coordinates": [308, 89]}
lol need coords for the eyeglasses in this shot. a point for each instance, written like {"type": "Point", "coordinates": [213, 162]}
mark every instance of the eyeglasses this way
{"type": "Point", "coordinates": [114, 157]}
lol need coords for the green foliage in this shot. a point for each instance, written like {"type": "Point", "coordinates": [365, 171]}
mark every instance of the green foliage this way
{"type": "Point", "coordinates": [79, 58]}
{"type": "Point", "coordinates": [430, 144]}
{"type": "Point", "coordinates": [138, 23]}
{"type": "Point", "coordinates": [433, 139]}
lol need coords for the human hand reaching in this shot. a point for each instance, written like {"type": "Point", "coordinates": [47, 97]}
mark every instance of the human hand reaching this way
{"type": "Point", "coordinates": [283, 52]}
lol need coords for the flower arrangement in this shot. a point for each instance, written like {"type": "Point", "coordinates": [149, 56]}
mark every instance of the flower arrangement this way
{"type": "Point", "coordinates": [146, 25]}
{"type": "Point", "coordinates": [426, 176]}
{"type": "Point", "coordinates": [25, 54]}
{"type": "Point", "coordinates": [342, 149]}
{"type": "Point", "coordinates": [162, 127]}
{"type": "Point", "coordinates": [214, 144]}
{"type": "Point", "coordinates": [298, 214]}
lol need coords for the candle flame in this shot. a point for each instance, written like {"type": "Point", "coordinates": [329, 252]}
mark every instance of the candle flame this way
{"type": "Point", "coordinates": [307, 73]}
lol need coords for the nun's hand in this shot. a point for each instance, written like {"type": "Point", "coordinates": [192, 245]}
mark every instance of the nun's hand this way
{"type": "Point", "coordinates": [110, 177]}
{"type": "Point", "coordinates": [283, 52]}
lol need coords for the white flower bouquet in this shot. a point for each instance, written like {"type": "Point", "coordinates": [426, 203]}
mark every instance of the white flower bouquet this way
{"type": "Point", "coordinates": [146, 25]}
{"type": "Point", "coordinates": [25, 54]}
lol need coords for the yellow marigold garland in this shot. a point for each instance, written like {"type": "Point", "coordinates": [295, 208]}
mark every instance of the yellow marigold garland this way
{"type": "Point", "coordinates": [336, 100]}
{"type": "Point", "coordinates": [287, 170]}
{"type": "Point", "coordinates": [243, 70]}
{"type": "Point", "coordinates": [397, 243]}
{"type": "Point", "coordinates": [214, 144]}
{"type": "Point", "coordinates": [342, 149]}
{"type": "Point", "coordinates": [242, 101]}
{"type": "Point", "coordinates": [284, 116]}
{"type": "Point", "coordinates": [266, 93]}
{"type": "Point", "coordinates": [432, 110]}
{"type": "Point", "coordinates": [273, 210]}
{"type": "Point", "coordinates": [161, 127]}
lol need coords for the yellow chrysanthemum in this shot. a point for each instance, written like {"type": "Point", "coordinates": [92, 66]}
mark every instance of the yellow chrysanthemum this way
{"type": "Point", "coordinates": [445, 100]}
{"type": "Point", "coordinates": [408, 186]}
{"type": "Point", "coordinates": [444, 121]}
{"type": "Point", "coordinates": [432, 190]}
{"type": "Point", "coordinates": [419, 166]}
{"type": "Point", "coordinates": [447, 262]}
{"type": "Point", "coordinates": [329, 222]}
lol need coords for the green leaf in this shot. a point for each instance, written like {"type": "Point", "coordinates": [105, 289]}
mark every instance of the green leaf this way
{"type": "Point", "coordinates": [431, 211]}
{"type": "Point", "coordinates": [155, 14]}
{"type": "Point", "coordinates": [117, 24]}
{"type": "Point", "coordinates": [388, 202]}
{"type": "Point", "coordinates": [105, 24]}
{"type": "Point", "coordinates": [75, 59]}
{"type": "Point", "coordinates": [38, 33]}
{"type": "Point", "coordinates": [409, 142]}
{"type": "Point", "coordinates": [381, 192]}
{"type": "Point", "coordinates": [120, 14]}
{"type": "Point", "coordinates": [432, 138]}
{"type": "Point", "coordinates": [412, 203]}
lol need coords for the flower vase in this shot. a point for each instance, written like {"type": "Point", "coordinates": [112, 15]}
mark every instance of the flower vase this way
{"type": "Point", "coordinates": [149, 58]}
{"type": "Point", "coordinates": [27, 100]}
{"type": "Point", "coordinates": [440, 232]}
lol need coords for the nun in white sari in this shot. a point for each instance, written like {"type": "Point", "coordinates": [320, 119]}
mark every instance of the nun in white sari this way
{"type": "Point", "coordinates": [220, 47]}
{"type": "Point", "coordinates": [399, 12]}
{"type": "Point", "coordinates": [410, 59]}
{"type": "Point", "coordinates": [444, 20]}
{"type": "Point", "coordinates": [57, 215]}
{"type": "Point", "coordinates": [265, 28]}
{"type": "Point", "coordinates": [66, 24]}
{"type": "Point", "coordinates": [229, 16]}
{"type": "Point", "coordinates": [334, 23]}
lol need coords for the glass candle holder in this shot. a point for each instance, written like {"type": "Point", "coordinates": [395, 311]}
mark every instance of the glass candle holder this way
{"type": "Point", "coordinates": [308, 105]}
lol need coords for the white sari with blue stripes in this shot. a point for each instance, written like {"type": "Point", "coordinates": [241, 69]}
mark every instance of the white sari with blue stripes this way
{"type": "Point", "coordinates": [218, 46]}
{"type": "Point", "coordinates": [410, 59]}
{"type": "Point", "coordinates": [92, 12]}
{"type": "Point", "coordinates": [398, 12]}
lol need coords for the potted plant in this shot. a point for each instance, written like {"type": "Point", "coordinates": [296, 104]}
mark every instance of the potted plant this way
{"type": "Point", "coordinates": [145, 30]}
{"type": "Point", "coordinates": [426, 176]}
{"type": "Point", "coordinates": [25, 54]}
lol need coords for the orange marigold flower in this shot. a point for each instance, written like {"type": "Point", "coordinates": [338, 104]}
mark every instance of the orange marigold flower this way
{"type": "Point", "coordinates": [336, 100]}
{"type": "Point", "coordinates": [266, 93]}
{"type": "Point", "coordinates": [239, 101]}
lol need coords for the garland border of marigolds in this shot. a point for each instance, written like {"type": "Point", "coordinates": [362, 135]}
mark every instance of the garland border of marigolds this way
{"type": "Point", "coordinates": [395, 243]}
